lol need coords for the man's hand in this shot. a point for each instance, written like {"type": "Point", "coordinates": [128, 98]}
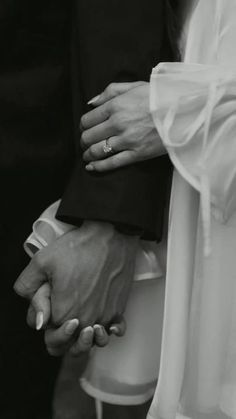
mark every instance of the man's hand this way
{"type": "Point", "coordinates": [89, 270]}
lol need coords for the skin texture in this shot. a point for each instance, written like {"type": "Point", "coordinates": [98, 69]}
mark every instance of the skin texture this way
{"type": "Point", "coordinates": [121, 115]}
{"type": "Point", "coordinates": [81, 280]}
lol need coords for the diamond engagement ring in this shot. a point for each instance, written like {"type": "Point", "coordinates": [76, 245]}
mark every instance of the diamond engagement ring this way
{"type": "Point", "coordinates": [107, 148]}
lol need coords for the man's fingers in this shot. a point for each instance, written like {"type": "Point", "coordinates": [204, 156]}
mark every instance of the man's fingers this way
{"type": "Point", "coordinates": [58, 340]}
{"type": "Point", "coordinates": [111, 163]}
{"type": "Point", "coordinates": [84, 342]}
{"type": "Point", "coordinates": [113, 90]}
{"type": "Point", "coordinates": [40, 308]}
{"type": "Point", "coordinates": [30, 279]}
{"type": "Point", "coordinates": [101, 337]}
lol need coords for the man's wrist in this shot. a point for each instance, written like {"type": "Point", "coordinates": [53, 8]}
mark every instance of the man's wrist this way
{"type": "Point", "coordinates": [120, 228]}
{"type": "Point", "coordinates": [129, 230]}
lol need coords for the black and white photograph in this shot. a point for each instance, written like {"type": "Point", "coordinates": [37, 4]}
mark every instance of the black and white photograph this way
{"type": "Point", "coordinates": [118, 209]}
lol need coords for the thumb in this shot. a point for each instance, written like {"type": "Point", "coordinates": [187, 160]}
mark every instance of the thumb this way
{"type": "Point", "coordinates": [40, 308]}
{"type": "Point", "coordinates": [30, 279]}
{"type": "Point", "coordinates": [113, 90]}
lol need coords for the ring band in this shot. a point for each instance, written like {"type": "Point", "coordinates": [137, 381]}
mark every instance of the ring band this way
{"type": "Point", "coordinates": [107, 148]}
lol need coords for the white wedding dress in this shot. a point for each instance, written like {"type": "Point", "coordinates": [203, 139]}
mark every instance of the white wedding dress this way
{"type": "Point", "coordinates": [194, 109]}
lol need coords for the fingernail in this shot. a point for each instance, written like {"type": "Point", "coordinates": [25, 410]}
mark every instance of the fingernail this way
{"type": "Point", "coordinates": [71, 326]}
{"type": "Point", "coordinates": [114, 330]}
{"type": "Point", "coordinates": [89, 167]}
{"type": "Point", "coordinates": [99, 330]}
{"type": "Point", "coordinates": [39, 320]}
{"type": "Point", "coordinates": [87, 334]}
{"type": "Point", "coordinates": [93, 100]}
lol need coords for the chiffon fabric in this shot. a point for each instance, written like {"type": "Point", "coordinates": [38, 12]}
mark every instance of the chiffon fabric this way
{"type": "Point", "coordinates": [194, 109]}
{"type": "Point", "coordinates": [125, 371]}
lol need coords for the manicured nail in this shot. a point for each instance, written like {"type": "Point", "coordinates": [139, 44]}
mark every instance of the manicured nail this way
{"type": "Point", "coordinates": [87, 334]}
{"type": "Point", "coordinates": [39, 320]}
{"type": "Point", "coordinates": [71, 326]}
{"type": "Point", "coordinates": [89, 167]}
{"type": "Point", "coordinates": [93, 100]}
{"type": "Point", "coordinates": [100, 331]}
{"type": "Point", "coordinates": [114, 330]}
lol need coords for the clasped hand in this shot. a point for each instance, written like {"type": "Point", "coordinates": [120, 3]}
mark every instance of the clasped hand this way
{"type": "Point", "coordinates": [79, 282]}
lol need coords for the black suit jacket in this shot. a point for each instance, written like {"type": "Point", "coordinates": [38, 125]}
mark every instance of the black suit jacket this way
{"type": "Point", "coordinates": [42, 78]}
{"type": "Point", "coordinates": [117, 40]}
{"type": "Point", "coordinates": [36, 134]}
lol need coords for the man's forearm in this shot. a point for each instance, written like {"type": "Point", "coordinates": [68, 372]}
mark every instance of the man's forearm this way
{"type": "Point", "coordinates": [132, 199]}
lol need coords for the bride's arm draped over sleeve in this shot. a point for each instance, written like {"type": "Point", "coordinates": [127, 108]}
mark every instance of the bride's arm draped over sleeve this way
{"type": "Point", "coordinates": [194, 109]}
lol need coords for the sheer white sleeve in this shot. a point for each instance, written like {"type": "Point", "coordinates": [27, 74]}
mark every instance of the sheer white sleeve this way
{"type": "Point", "coordinates": [194, 109]}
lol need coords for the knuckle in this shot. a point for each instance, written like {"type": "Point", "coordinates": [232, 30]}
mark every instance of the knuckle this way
{"type": "Point", "coordinates": [114, 106]}
{"type": "Point", "coordinates": [111, 89]}
{"type": "Point", "coordinates": [126, 142]}
{"type": "Point", "coordinates": [34, 301]}
{"type": "Point", "coordinates": [129, 136]}
{"type": "Point", "coordinates": [116, 121]}
{"type": "Point", "coordinates": [118, 104]}
{"type": "Point", "coordinates": [106, 111]}
{"type": "Point", "coordinates": [23, 288]}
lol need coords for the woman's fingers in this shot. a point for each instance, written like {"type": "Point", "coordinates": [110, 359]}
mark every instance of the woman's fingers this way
{"type": "Point", "coordinates": [84, 342]}
{"type": "Point", "coordinates": [96, 151]}
{"type": "Point", "coordinates": [58, 340]}
{"type": "Point", "coordinates": [96, 134]}
{"type": "Point", "coordinates": [113, 90]}
{"type": "Point", "coordinates": [40, 309]}
{"type": "Point", "coordinates": [113, 162]}
{"type": "Point", "coordinates": [95, 117]}
{"type": "Point", "coordinates": [119, 328]}
{"type": "Point", "coordinates": [101, 337]}
{"type": "Point", "coordinates": [88, 337]}
{"type": "Point", "coordinates": [103, 104]}
{"type": "Point", "coordinates": [96, 335]}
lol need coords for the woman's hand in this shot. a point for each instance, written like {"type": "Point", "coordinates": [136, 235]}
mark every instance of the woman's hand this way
{"type": "Point", "coordinates": [67, 337]}
{"type": "Point", "coordinates": [119, 130]}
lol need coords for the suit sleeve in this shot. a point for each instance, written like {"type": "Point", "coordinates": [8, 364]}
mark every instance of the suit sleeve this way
{"type": "Point", "coordinates": [132, 198]}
